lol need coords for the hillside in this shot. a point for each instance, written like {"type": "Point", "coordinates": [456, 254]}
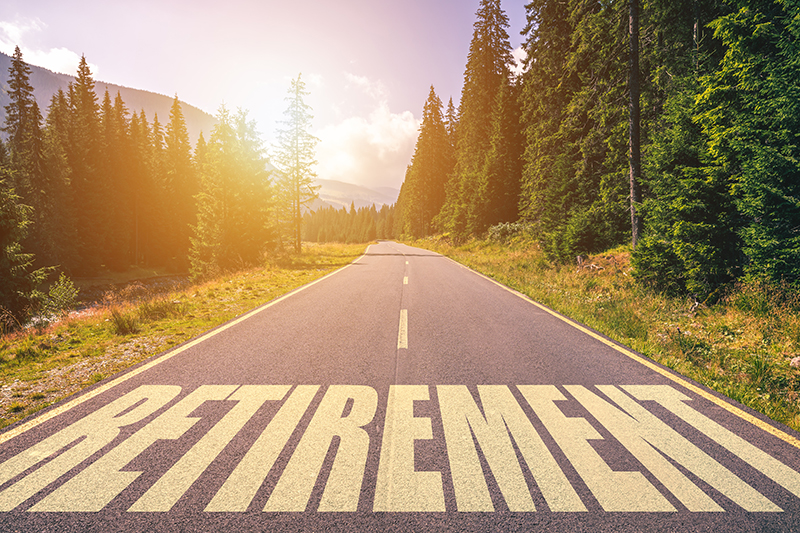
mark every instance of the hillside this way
{"type": "Point", "coordinates": [47, 83]}
{"type": "Point", "coordinates": [339, 194]}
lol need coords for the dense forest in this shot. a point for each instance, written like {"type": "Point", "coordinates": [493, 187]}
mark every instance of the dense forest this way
{"type": "Point", "coordinates": [340, 225]}
{"type": "Point", "coordinates": [95, 186]}
{"type": "Point", "coordinates": [670, 125]}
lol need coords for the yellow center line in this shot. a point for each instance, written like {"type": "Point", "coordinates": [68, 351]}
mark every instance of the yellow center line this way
{"type": "Point", "coordinates": [63, 408]}
{"type": "Point", "coordinates": [653, 366]}
{"type": "Point", "coordinates": [405, 280]}
{"type": "Point", "coordinates": [402, 333]}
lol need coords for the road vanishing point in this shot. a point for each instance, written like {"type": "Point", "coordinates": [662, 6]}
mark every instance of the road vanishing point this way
{"type": "Point", "coordinates": [403, 392]}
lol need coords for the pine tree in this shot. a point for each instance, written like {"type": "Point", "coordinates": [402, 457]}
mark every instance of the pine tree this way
{"type": "Point", "coordinates": [576, 180]}
{"type": "Point", "coordinates": [115, 166]}
{"type": "Point", "coordinates": [181, 186]}
{"type": "Point", "coordinates": [161, 207]}
{"type": "Point", "coordinates": [690, 241]}
{"type": "Point", "coordinates": [18, 292]}
{"type": "Point", "coordinates": [750, 113]}
{"type": "Point", "coordinates": [502, 170]}
{"type": "Point", "coordinates": [451, 124]}
{"type": "Point", "coordinates": [235, 202]}
{"type": "Point", "coordinates": [295, 159]}
{"type": "Point", "coordinates": [60, 222]}
{"type": "Point", "coordinates": [18, 117]}
{"type": "Point", "coordinates": [488, 67]}
{"type": "Point", "coordinates": [432, 163]}
{"type": "Point", "coordinates": [89, 188]}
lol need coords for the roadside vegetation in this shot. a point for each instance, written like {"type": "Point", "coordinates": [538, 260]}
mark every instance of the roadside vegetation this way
{"type": "Point", "coordinates": [741, 346]}
{"type": "Point", "coordinates": [42, 364]}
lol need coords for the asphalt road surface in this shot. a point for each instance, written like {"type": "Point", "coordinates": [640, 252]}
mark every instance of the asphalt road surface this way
{"type": "Point", "coordinates": [404, 393]}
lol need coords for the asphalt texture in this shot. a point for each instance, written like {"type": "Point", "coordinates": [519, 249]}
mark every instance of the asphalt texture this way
{"type": "Point", "coordinates": [403, 392]}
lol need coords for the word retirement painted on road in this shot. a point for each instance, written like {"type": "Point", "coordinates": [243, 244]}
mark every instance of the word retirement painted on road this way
{"type": "Point", "coordinates": [497, 423]}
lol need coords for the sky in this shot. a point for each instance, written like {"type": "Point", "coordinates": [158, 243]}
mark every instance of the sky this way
{"type": "Point", "coordinates": [367, 64]}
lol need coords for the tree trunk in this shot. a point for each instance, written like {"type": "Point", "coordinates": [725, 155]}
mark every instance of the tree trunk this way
{"type": "Point", "coordinates": [634, 153]}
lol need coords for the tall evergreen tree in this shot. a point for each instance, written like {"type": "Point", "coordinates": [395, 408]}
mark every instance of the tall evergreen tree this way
{"type": "Point", "coordinates": [89, 187]}
{"type": "Point", "coordinates": [234, 216]}
{"type": "Point", "coordinates": [576, 180]}
{"type": "Point", "coordinates": [115, 167]}
{"type": "Point", "coordinates": [18, 292]}
{"type": "Point", "coordinates": [690, 241]}
{"type": "Point", "coordinates": [18, 119]}
{"type": "Point", "coordinates": [750, 113]}
{"type": "Point", "coordinates": [60, 223]}
{"type": "Point", "coordinates": [295, 159]}
{"type": "Point", "coordinates": [451, 124]}
{"type": "Point", "coordinates": [424, 190]}
{"type": "Point", "coordinates": [488, 67]}
{"type": "Point", "coordinates": [502, 169]}
{"type": "Point", "coordinates": [180, 182]}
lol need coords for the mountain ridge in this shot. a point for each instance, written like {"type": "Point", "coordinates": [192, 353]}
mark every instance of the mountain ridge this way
{"type": "Point", "coordinates": [46, 83]}
{"type": "Point", "coordinates": [338, 194]}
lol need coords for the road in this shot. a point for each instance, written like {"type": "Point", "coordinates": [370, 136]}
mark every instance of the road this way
{"type": "Point", "coordinates": [403, 392]}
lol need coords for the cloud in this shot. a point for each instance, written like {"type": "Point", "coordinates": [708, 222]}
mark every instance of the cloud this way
{"type": "Point", "coordinates": [375, 89]}
{"type": "Point", "coordinates": [372, 151]}
{"type": "Point", "coordinates": [519, 54]}
{"type": "Point", "coordinates": [12, 34]}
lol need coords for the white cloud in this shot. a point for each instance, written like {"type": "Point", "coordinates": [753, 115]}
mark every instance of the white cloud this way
{"type": "Point", "coordinates": [375, 89]}
{"type": "Point", "coordinates": [519, 54]}
{"type": "Point", "coordinates": [315, 80]}
{"type": "Point", "coordinates": [372, 151]}
{"type": "Point", "coordinates": [12, 34]}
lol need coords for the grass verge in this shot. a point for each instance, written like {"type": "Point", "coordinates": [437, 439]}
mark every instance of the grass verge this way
{"type": "Point", "coordinates": [40, 366]}
{"type": "Point", "coordinates": [742, 347]}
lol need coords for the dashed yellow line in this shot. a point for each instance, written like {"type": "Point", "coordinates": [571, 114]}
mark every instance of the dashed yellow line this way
{"type": "Point", "coordinates": [653, 366]}
{"type": "Point", "coordinates": [405, 280]}
{"type": "Point", "coordinates": [63, 408]}
{"type": "Point", "coordinates": [402, 333]}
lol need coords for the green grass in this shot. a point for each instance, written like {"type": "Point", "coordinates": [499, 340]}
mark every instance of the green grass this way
{"type": "Point", "coordinates": [741, 347]}
{"type": "Point", "coordinates": [132, 325]}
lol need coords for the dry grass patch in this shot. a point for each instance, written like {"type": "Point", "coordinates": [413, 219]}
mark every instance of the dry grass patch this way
{"type": "Point", "coordinates": [742, 346]}
{"type": "Point", "coordinates": [39, 366]}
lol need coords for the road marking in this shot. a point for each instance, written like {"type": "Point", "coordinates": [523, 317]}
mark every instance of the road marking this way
{"type": "Point", "coordinates": [616, 491]}
{"type": "Point", "coordinates": [402, 333]}
{"type": "Point", "coordinates": [171, 486]}
{"type": "Point", "coordinates": [241, 486]}
{"type": "Point", "coordinates": [343, 487]}
{"type": "Point", "coordinates": [400, 488]}
{"type": "Point", "coordinates": [496, 428]}
{"type": "Point", "coordinates": [63, 408]}
{"type": "Point", "coordinates": [643, 434]}
{"type": "Point", "coordinates": [461, 420]}
{"type": "Point", "coordinates": [96, 429]}
{"type": "Point", "coordinates": [405, 280]}
{"type": "Point", "coordinates": [672, 400]}
{"type": "Point", "coordinates": [680, 380]}
{"type": "Point", "coordinates": [99, 483]}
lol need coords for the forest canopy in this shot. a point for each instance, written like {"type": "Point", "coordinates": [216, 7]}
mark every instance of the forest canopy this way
{"type": "Point", "coordinates": [718, 85]}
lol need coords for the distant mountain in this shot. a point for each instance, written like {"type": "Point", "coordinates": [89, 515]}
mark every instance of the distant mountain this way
{"type": "Point", "coordinates": [47, 83]}
{"type": "Point", "coordinates": [338, 194]}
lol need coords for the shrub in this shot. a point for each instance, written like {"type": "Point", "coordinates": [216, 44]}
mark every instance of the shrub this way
{"type": "Point", "coordinates": [122, 323]}
{"type": "Point", "coordinates": [61, 297]}
{"type": "Point", "coordinates": [160, 308]}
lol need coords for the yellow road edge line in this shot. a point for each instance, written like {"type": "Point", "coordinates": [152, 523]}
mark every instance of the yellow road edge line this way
{"type": "Point", "coordinates": [8, 435]}
{"type": "Point", "coordinates": [652, 365]}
